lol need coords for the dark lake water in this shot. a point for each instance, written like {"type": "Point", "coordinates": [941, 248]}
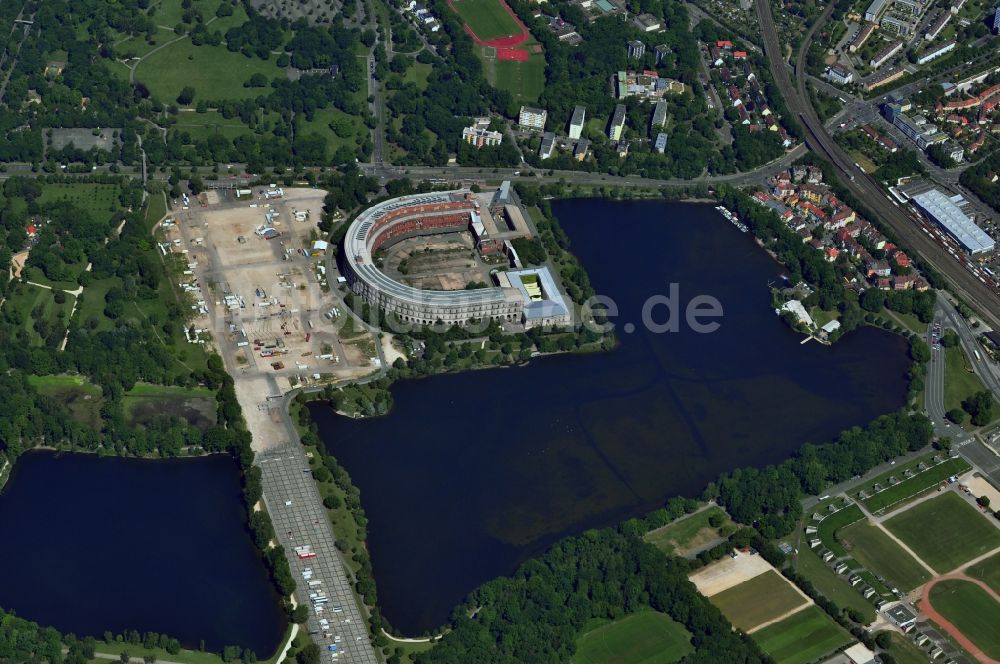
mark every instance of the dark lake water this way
{"type": "Point", "coordinates": [471, 474]}
{"type": "Point", "coordinates": [92, 544]}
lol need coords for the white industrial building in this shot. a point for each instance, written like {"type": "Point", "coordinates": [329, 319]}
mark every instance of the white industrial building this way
{"type": "Point", "coordinates": [946, 213]}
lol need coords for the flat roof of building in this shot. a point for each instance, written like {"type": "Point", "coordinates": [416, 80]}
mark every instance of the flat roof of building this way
{"type": "Point", "coordinates": [551, 303]}
{"type": "Point", "coordinates": [935, 203]}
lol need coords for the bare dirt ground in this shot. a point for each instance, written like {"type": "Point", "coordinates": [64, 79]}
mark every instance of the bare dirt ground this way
{"type": "Point", "coordinates": [280, 300]}
{"type": "Point", "coordinates": [980, 487]}
{"type": "Point", "coordinates": [728, 573]}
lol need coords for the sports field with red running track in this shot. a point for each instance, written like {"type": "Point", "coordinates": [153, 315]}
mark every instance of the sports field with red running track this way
{"type": "Point", "coordinates": [503, 45]}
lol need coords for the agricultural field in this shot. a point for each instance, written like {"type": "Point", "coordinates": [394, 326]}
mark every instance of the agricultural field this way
{"type": "Point", "coordinates": [214, 72]}
{"type": "Point", "coordinates": [690, 532]}
{"type": "Point", "coordinates": [101, 201]}
{"type": "Point", "coordinates": [81, 398]}
{"type": "Point", "coordinates": [831, 525]}
{"type": "Point", "coordinates": [833, 586]}
{"type": "Point", "coordinates": [969, 608]}
{"type": "Point", "coordinates": [489, 19]}
{"type": "Point", "coordinates": [920, 483]}
{"type": "Point", "coordinates": [879, 553]}
{"type": "Point", "coordinates": [987, 571]}
{"type": "Point", "coordinates": [802, 637]}
{"type": "Point", "coordinates": [945, 531]}
{"type": "Point", "coordinates": [647, 637]}
{"type": "Point", "coordinates": [758, 600]}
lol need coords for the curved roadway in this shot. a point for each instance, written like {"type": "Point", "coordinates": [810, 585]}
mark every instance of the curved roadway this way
{"type": "Point", "coordinates": [963, 282]}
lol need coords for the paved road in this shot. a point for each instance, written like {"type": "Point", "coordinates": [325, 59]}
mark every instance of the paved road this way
{"type": "Point", "coordinates": [964, 283]}
{"type": "Point", "coordinates": [286, 478]}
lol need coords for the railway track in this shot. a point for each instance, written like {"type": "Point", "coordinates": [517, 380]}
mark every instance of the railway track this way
{"type": "Point", "coordinates": [963, 282]}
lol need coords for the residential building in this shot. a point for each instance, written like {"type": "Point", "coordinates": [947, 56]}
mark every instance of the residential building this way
{"type": "Point", "coordinates": [913, 7]}
{"type": "Point", "coordinates": [479, 134]}
{"type": "Point", "coordinates": [937, 52]}
{"type": "Point", "coordinates": [839, 74]}
{"type": "Point", "coordinates": [636, 49]}
{"type": "Point", "coordinates": [995, 22]}
{"type": "Point", "coordinates": [956, 6]}
{"type": "Point", "coordinates": [617, 124]}
{"type": "Point", "coordinates": [662, 51]}
{"type": "Point", "coordinates": [860, 37]}
{"type": "Point", "coordinates": [532, 118]}
{"type": "Point", "coordinates": [660, 145]}
{"type": "Point", "coordinates": [576, 121]}
{"type": "Point", "coordinates": [875, 10]}
{"type": "Point", "coordinates": [659, 115]}
{"type": "Point", "coordinates": [581, 150]}
{"type": "Point", "coordinates": [938, 25]}
{"type": "Point", "coordinates": [548, 145]}
{"type": "Point", "coordinates": [886, 54]}
{"type": "Point", "coordinates": [895, 25]}
{"type": "Point", "coordinates": [880, 78]}
{"type": "Point", "coordinates": [647, 84]}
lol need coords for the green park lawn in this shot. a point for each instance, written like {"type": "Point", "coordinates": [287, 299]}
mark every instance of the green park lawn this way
{"type": "Point", "coordinates": [972, 611]}
{"type": "Point", "coordinates": [28, 303]}
{"type": "Point", "coordinates": [101, 201]}
{"type": "Point", "coordinates": [487, 18]}
{"type": "Point", "coordinates": [417, 74]}
{"type": "Point", "coordinates": [959, 382]}
{"type": "Point", "coordinates": [214, 72]}
{"type": "Point", "coordinates": [945, 531]}
{"type": "Point", "coordinates": [757, 600]}
{"type": "Point", "coordinates": [689, 531]}
{"type": "Point", "coordinates": [879, 553]}
{"type": "Point", "coordinates": [987, 571]}
{"type": "Point", "coordinates": [803, 637]}
{"type": "Point", "coordinates": [647, 637]}
{"type": "Point", "coordinates": [833, 586]}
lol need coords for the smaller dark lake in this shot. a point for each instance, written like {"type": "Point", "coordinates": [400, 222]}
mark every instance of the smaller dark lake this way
{"type": "Point", "coordinates": [93, 544]}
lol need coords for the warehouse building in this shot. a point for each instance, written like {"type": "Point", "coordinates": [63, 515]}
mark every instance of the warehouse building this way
{"type": "Point", "coordinates": [946, 213]}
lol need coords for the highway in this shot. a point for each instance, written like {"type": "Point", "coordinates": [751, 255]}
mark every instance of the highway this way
{"type": "Point", "coordinates": [962, 282]}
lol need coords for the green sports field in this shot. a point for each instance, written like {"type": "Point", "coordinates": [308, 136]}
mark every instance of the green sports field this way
{"type": "Point", "coordinates": [802, 637]}
{"type": "Point", "coordinates": [487, 18]}
{"type": "Point", "coordinates": [829, 527]}
{"type": "Point", "coordinates": [945, 531]}
{"type": "Point", "coordinates": [970, 608]}
{"type": "Point", "coordinates": [647, 637]}
{"type": "Point", "coordinates": [754, 602]}
{"type": "Point", "coordinates": [987, 571]}
{"type": "Point", "coordinates": [524, 80]}
{"type": "Point", "coordinates": [879, 553]}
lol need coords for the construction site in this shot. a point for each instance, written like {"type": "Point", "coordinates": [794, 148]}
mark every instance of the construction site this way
{"type": "Point", "coordinates": [256, 273]}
